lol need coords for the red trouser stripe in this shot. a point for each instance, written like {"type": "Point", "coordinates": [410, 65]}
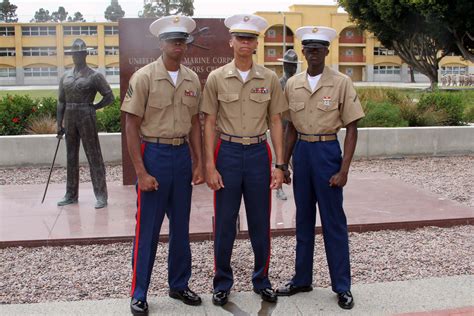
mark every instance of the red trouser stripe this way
{"type": "Point", "coordinates": [269, 209]}
{"type": "Point", "coordinates": [216, 153]}
{"type": "Point", "coordinates": [137, 233]}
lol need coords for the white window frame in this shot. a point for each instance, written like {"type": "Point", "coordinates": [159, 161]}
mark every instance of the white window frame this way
{"type": "Point", "coordinates": [90, 30]}
{"type": "Point", "coordinates": [111, 50]}
{"type": "Point", "coordinates": [7, 31]}
{"type": "Point", "coordinates": [40, 71]}
{"type": "Point", "coordinates": [271, 52]}
{"type": "Point", "coordinates": [271, 33]}
{"type": "Point", "coordinates": [38, 30]}
{"type": "Point", "coordinates": [39, 51]}
{"type": "Point", "coordinates": [112, 71]}
{"type": "Point", "coordinates": [7, 51]}
{"type": "Point", "coordinates": [110, 30]}
{"type": "Point", "coordinates": [8, 72]}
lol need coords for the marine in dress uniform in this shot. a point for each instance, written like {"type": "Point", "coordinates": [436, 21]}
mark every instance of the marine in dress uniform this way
{"type": "Point", "coordinates": [321, 101]}
{"type": "Point", "coordinates": [161, 108]}
{"type": "Point", "coordinates": [241, 99]}
{"type": "Point", "coordinates": [77, 119]}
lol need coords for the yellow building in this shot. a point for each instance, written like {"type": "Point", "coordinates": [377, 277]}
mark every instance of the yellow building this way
{"type": "Point", "coordinates": [357, 54]}
{"type": "Point", "coordinates": [33, 53]}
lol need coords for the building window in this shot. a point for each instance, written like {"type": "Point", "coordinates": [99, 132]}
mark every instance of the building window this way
{"type": "Point", "coordinates": [271, 52]}
{"type": "Point", "coordinates": [90, 52]}
{"type": "Point", "coordinates": [88, 65]}
{"type": "Point", "coordinates": [80, 30]}
{"type": "Point", "coordinates": [453, 70]}
{"type": "Point", "coordinates": [111, 30]}
{"type": "Point", "coordinates": [349, 52]}
{"type": "Point", "coordinates": [349, 33]}
{"type": "Point", "coordinates": [7, 72]}
{"type": "Point", "coordinates": [271, 33]}
{"type": "Point", "coordinates": [7, 51]}
{"type": "Point", "coordinates": [41, 72]}
{"type": "Point", "coordinates": [112, 71]}
{"type": "Point", "coordinates": [349, 72]}
{"type": "Point", "coordinates": [111, 50]}
{"type": "Point", "coordinates": [39, 51]}
{"type": "Point", "coordinates": [386, 70]}
{"type": "Point", "coordinates": [382, 51]}
{"type": "Point", "coordinates": [38, 30]}
{"type": "Point", "coordinates": [7, 31]}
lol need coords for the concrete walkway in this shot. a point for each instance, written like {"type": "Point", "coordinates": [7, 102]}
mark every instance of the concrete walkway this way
{"type": "Point", "coordinates": [440, 296]}
{"type": "Point", "coordinates": [373, 201]}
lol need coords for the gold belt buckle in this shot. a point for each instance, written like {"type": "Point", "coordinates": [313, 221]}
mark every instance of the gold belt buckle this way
{"type": "Point", "coordinates": [246, 141]}
{"type": "Point", "coordinates": [176, 141]}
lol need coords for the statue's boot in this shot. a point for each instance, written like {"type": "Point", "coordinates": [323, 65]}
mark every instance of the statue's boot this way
{"type": "Point", "coordinates": [67, 200]}
{"type": "Point", "coordinates": [101, 203]}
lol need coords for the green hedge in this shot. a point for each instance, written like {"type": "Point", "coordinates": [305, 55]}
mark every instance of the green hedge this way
{"type": "Point", "coordinates": [382, 113]}
{"type": "Point", "coordinates": [17, 111]}
{"type": "Point", "coordinates": [390, 107]}
{"type": "Point", "coordinates": [383, 108]}
{"type": "Point", "coordinates": [108, 118]}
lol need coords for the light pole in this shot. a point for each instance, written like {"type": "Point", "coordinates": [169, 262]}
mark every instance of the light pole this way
{"type": "Point", "coordinates": [284, 32]}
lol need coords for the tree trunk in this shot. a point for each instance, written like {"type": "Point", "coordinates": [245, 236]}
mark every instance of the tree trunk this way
{"type": "Point", "coordinates": [412, 75]}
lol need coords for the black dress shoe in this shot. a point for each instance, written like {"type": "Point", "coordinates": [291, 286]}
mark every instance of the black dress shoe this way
{"type": "Point", "coordinates": [267, 294]}
{"type": "Point", "coordinates": [345, 300]}
{"type": "Point", "coordinates": [187, 296]}
{"type": "Point", "coordinates": [220, 298]}
{"type": "Point", "coordinates": [138, 307]}
{"type": "Point", "coordinates": [290, 289]}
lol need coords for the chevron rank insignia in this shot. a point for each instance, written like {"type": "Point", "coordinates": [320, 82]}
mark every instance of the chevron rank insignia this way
{"type": "Point", "coordinates": [129, 92]}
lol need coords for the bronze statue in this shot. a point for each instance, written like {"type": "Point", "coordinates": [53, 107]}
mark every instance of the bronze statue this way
{"type": "Point", "coordinates": [290, 65]}
{"type": "Point", "coordinates": [77, 119]}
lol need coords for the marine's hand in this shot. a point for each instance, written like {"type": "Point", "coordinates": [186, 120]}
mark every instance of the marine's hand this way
{"type": "Point", "coordinates": [338, 180]}
{"type": "Point", "coordinates": [277, 179]}
{"type": "Point", "coordinates": [60, 132]}
{"type": "Point", "coordinates": [147, 182]}
{"type": "Point", "coordinates": [198, 175]}
{"type": "Point", "coordinates": [287, 177]}
{"type": "Point", "coordinates": [214, 179]}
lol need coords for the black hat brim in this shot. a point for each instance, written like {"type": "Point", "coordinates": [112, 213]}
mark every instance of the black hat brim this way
{"type": "Point", "coordinates": [314, 44]}
{"type": "Point", "coordinates": [174, 35]}
{"type": "Point", "coordinates": [242, 34]}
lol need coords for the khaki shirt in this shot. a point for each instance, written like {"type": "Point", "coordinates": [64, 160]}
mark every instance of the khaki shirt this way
{"type": "Point", "coordinates": [166, 110]}
{"type": "Point", "coordinates": [243, 109]}
{"type": "Point", "coordinates": [332, 105]}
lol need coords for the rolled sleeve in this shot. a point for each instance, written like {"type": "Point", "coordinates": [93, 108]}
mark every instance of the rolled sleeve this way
{"type": "Point", "coordinates": [209, 103]}
{"type": "Point", "coordinates": [136, 97]}
{"type": "Point", "coordinates": [278, 102]}
{"type": "Point", "coordinates": [102, 85]}
{"type": "Point", "coordinates": [351, 109]}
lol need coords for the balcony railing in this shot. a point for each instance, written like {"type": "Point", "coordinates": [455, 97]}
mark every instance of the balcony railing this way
{"type": "Point", "coordinates": [352, 40]}
{"type": "Point", "coordinates": [279, 39]}
{"type": "Point", "coordinates": [352, 59]}
{"type": "Point", "coordinates": [272, 59]}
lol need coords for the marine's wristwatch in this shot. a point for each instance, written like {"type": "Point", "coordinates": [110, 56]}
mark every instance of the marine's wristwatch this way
{"type": "Point", "coordinates": [282, 167]}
